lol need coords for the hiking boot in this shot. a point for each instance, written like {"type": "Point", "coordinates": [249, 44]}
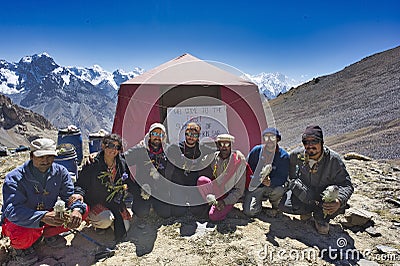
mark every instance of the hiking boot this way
{"type": "Point", "coordinates": [26, 256]}
{"type": "Point", "coordinates": [56, 241]}
{"type": "Point", "coordinates": [322, 227]}
{"type": "Point", "coordinates": [305, 217]}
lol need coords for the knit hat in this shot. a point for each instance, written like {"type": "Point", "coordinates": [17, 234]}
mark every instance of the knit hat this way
{"type": "Point", "coordinates": [157, 125]}
{"type": "Point", "coordinates": [43, 147]}
{"type": "Point", "coordinates": [313, 131]}
{"type": "Point", "coordinates": [273, 131]}
{"type": "Point", "coordinates": [225, 137]}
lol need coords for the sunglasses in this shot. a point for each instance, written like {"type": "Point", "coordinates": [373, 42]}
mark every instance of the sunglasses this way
{"type": "Point", "coordinates": [224, 144]}
{"type": "Point", "coordinates": [193, 135]}
{"type": "Point", "coordinates": [156, 134]}
{"type": "Point", "coordinates": [310, 142]}
{"type": "Point", "coordinates": [269, 137]}
{"type": "Point", "coordinates": [113, 146]}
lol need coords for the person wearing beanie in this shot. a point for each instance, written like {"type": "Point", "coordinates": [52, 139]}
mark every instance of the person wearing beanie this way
{"type": "Point", "coordinates": [30, 193]}
{"type": "Point", "coordinates": [320, 170]}
{"type": "Point", "coordinates": [152, 173]}
{"type": "Point", "coordinates": [270, 166]}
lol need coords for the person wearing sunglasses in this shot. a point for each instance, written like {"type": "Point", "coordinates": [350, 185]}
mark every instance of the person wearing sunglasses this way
{"type": "Point", "coordinates": [318, 167]}
{"type": "Point", "coordinates": [104, 184]}
{"type": "Point", "coordinates": [222, 183]}
{"type": "Point", "coordinates": [152, 173]}
{"type": "Point", "coordinates": [270, 165]}
{"type": "Point", "coordinates": [187, 158]}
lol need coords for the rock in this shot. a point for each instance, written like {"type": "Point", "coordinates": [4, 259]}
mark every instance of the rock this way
{"type": "Point", "coordinates": [364, 262]}
{"type": "Point", "coordinates": [393, 201]}
{"type": "Point", "coordinates": [357, 217]}
{"type": "Point", "coordinates": [372, 231]}
{"type": "Point", "coordinates": [357, 156]}
{"type": "Point", "coordinates": [386, 249]}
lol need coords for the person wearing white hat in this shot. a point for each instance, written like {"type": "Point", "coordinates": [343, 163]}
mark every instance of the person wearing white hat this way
{"type": "Point", "coordinates": [29, 194]}
{"type": "Point", "coordinates": [151, 169]}
{"type": "Point", "coordinates": [222, 183]}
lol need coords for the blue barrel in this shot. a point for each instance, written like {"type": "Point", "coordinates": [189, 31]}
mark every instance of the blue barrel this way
{"type": "Point", "coordinates": [95, 142]}
{"type": "Point", "coordinates": [67, 157]}
{"type": "Point", "coordinates": [72, 135]}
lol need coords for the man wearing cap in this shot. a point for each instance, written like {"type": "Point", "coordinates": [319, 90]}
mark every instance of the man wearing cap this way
{"type": "Point", "coordinates": [270, 165]}
{"type": "Point", "coordinates": [29, 195]}
{"type": "Point", "coordinates": [318, 167]}
{"type": "Point", "coordinates": [151, 188]}
{"type": "Point", "coordinates": [222, 183]}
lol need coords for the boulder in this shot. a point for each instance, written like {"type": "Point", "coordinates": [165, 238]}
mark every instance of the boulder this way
{"type": "Point", "coordinates": [356, 156]}
{"type": "Point", "coordinates": [357, 217]}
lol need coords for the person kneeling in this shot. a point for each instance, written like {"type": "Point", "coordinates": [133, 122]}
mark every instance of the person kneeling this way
{"type": "Point", "coordinates": [228, 177]}
{"type": "Point", "coordinates": [30, 193]}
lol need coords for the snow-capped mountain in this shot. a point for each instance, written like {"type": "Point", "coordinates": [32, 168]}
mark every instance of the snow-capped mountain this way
{"type": "Point", "coordinates": [272, 84]}
{"type": "Point", "coordinates": [85, 97]}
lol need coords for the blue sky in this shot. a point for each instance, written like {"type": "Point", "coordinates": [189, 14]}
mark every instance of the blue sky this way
{"type": "Point", "coordinates": [297, 38]}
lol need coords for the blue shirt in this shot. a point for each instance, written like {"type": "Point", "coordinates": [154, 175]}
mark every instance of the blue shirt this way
{"type": "Point", "coordinates": [26, 200]}
{"type": "Point", "coordinates": [280, 164]}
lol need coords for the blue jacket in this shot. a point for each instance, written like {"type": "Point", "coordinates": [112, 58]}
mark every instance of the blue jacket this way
{"type": "Point", "coordinates": [280, 165]}
{"type": "Point", "coordinates": [22, 194]}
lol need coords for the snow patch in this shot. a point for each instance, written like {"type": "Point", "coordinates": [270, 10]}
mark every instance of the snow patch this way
{"type": "Point", "coordinates": [4, 89]}
{"type": "Point", "coordinates": [27, 59]}
{"type": "Point", "coordinates": [58, 70]}
{"type": "Point", "coordinates": [66, 78]}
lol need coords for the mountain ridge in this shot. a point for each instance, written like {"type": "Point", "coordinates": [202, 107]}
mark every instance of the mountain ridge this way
{"type": "Point", "coordinates": [85, 97]}
{"type": "Point", "coordinates": [356, 107]}
{"type": "Point", "coordinates": [19, 126]}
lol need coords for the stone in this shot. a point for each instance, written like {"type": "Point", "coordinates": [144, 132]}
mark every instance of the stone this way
{"type": "Point", "coordinates": [357, 156]}
{"type": "Point", "coordinates": [372, 231]}
{"type": "Point", "coordinates": [386, 249]}
{"type": "Point", "coordinates": [358, 217]}
{"type": "Point", "coordinates": [364, 262]}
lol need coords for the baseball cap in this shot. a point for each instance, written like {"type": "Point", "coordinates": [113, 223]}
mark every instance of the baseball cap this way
{"type": "Point", "coordinates": [42, 147]}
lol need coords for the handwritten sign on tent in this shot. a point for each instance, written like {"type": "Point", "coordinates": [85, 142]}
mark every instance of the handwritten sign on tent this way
{"type": "Point", "coordinates": [212, 119]}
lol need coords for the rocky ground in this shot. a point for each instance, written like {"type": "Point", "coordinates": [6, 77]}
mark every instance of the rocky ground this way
{"type": "Point", "coordinates": [239, 240]}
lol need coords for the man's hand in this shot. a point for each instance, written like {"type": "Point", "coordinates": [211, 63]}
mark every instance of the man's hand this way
{"type": "Point", "coordinates": [74, 219]}
{"type": "Point", "coordinates": [74, 197]}
{"type": "Point", "coordinates": [220, 205]}
{"type": "Point", "coordinates": [267, 181]}
{"type": "Point", "coordinates": [331, 207]}
{"type": "Point", "coordinates": [52, 219]}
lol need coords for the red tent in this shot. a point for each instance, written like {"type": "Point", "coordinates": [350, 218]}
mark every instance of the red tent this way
{"type": "Point", "coordinates": [188, 81]}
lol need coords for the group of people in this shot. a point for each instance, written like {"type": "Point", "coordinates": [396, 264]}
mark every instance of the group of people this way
{"type": "Point", "coordinates": [205, 179]}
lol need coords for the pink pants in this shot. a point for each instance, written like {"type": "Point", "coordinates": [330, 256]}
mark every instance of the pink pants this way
{"type": "Point", "coordinates": [206, 186]}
